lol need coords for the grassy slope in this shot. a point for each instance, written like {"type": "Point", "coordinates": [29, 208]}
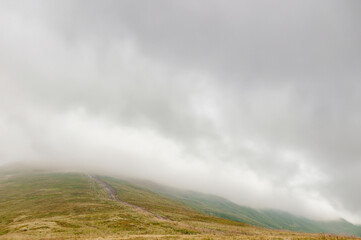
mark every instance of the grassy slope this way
{"type": "Point", "coordinates": [65, 205]}
{"type": "Point", "coordinates": [40, 205]}
{"type": "Point", "coordinates": [220, 207]}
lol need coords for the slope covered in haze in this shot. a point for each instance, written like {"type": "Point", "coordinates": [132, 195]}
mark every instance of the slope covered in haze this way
{"type": "Point", "coordinates": [220, 207]}
{"type": "Point", "coordinates": [45, 205]}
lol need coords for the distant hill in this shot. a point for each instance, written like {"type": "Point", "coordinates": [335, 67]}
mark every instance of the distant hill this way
{"type": "Point", "coordinates": [37, 204]}
{"type": "Point", "coordinates": [220, 207]}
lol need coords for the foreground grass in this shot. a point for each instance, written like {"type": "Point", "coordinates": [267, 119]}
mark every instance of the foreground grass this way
{"type": "Point", "coordinates": [39, 205]}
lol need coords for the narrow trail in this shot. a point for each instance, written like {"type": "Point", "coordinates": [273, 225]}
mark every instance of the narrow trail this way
{"type": "Point", "coordinates": [112, 195]}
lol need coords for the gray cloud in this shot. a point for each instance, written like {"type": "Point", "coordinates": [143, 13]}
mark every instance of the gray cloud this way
{"type": "Point", "coordinates": [256, 101]}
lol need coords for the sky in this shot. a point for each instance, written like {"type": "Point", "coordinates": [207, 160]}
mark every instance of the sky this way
{"type": "Point", "coordinates": [254, 101]}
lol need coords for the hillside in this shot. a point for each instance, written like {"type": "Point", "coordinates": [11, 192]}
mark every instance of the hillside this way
{"type": "Point", "coordinates": [220, 207]}
{"type": "Point", "coordinates": [45, 205]}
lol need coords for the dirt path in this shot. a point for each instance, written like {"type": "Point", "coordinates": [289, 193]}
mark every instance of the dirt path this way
{"type": "Point", "coordinates": [112, 194]}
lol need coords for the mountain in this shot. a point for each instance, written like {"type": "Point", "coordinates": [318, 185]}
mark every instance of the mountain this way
{"type": "Point", "coordinates": [37, 204]}
{"type": "Point", "coordinates": [220, 207]}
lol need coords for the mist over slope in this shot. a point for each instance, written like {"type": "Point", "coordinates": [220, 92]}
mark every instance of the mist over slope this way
{"type": "Point", "coordinates": [36, 203]}
{"type": "Point", "coordinates": [274, 219]}
{"type": "Point", "coordinates": [42, 205]}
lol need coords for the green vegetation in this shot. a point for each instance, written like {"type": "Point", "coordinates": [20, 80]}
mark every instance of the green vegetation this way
{"type": "Point", "coordinates": [43, 205]}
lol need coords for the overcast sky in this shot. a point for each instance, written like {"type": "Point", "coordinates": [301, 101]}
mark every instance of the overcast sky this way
{"type": "Point", "coordinates": [255, 101]}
